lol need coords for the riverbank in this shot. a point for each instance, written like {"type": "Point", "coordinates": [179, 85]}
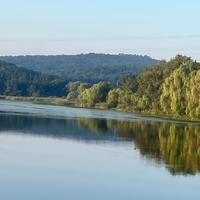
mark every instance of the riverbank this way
{"type": "Point", "coordinates": [41, 100]}
{"type": "Point", "coordinates": [59, 101]}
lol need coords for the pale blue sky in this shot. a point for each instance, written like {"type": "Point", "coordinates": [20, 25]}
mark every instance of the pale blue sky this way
{"type": "Point", "coordinates": [157, 28]}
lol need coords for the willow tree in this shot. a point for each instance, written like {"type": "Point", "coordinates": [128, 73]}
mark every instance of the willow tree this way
{"type": "Point", "coordinates": [175, 89]}
{"type": "Point", "coordinates": [193, 95]}
{"type": "Point", "coordinates": [93, 95]}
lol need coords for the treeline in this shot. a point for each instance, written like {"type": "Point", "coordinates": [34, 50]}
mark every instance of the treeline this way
{"type": "Point", "coordinates": [90, 68]}
{"type": "Point", "coordinates": [171, 88]}
{"type": "Point", "coordinates": [17, 81]}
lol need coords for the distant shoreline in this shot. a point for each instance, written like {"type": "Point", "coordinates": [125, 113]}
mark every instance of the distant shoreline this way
{"type": "Point", "coordinates": [60, 101]}
{"type": "Point", "coordinates": [43, 100]}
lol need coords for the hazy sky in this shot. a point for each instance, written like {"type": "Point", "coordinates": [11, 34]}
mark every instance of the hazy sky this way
{"type": "Point", "coordinates": [159, 28]}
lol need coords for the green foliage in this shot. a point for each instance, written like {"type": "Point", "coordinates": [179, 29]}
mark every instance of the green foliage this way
{"type": "Point", "coordinates": [151, 80]}
{"type": "Point", "coordinates": [193, 95]}
{"type": "Point", "coordinates": [113, 98]}
{"type": "Point", "coordinates": [90, 68]}
{"type": "Point", "coordinates": [180, 91]}
{"type": "Point", "coordinates": [93, 95]}
{"type": "Point", "coordinates": [170, 88]}
{"type": "Point", "coordinates": [15, 81]}
{"type": "Point", "coordinates": [167, 88]}
{"type": "Point", "coordinates": [129, 82]}
{"type": "Point", "coordinates": [75, 89]}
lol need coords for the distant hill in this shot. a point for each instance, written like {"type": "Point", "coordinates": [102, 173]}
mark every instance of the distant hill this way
{"type": "Point", "coordinates": [89, 68]}
{"type": "Point", "coordinates": [17, 81]}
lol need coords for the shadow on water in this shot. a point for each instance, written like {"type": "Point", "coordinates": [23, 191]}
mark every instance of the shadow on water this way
{"type": "Point", "coordinates": [176, 145]}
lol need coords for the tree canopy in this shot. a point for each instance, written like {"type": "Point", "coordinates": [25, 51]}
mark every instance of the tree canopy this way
{"type": "Point", "coordinates": [90, 68]}
{"type": "Point", "coordinates": [17, 81]}
{"type": "Point", "coordinates": [170, 88]}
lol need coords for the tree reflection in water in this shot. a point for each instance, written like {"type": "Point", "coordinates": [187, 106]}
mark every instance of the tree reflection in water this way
{"type": "Point", "coordinates": [176, 145]}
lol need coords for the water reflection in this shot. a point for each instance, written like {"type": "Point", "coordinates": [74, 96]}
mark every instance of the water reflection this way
{"type": "Point", "coordinates": [176, 145]}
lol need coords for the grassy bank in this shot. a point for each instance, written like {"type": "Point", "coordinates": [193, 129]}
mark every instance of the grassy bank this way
{"type": "Point", "coordinates": [42, 100]}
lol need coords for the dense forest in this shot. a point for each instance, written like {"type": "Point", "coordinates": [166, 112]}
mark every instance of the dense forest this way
{"type": "Point", "coordinates": [90, 68]}
{"type": "Point", "coordinates": [17, 81]}
{"type": "Point", "coordinates": [170, 88]}
{"type": "Point", "coordinates": [167, 88]}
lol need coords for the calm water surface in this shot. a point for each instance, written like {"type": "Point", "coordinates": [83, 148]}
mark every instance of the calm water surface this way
{"type": "Point", "coordinates": [57, 153]}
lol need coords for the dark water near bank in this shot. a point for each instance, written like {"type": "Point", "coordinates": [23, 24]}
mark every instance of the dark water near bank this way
{"type": "Point", "coordinates": [50, 152]}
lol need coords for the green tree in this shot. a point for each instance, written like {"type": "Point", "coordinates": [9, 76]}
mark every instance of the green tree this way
{"type": "Point", "coordinates": [93, 95]}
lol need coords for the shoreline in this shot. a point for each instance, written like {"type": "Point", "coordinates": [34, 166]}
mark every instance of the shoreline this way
{"type": "Point", "coordinates": [60, 101]}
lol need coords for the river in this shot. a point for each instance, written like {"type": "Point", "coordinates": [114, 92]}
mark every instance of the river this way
{"type": "Point", "coordinates": [54, 152]}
